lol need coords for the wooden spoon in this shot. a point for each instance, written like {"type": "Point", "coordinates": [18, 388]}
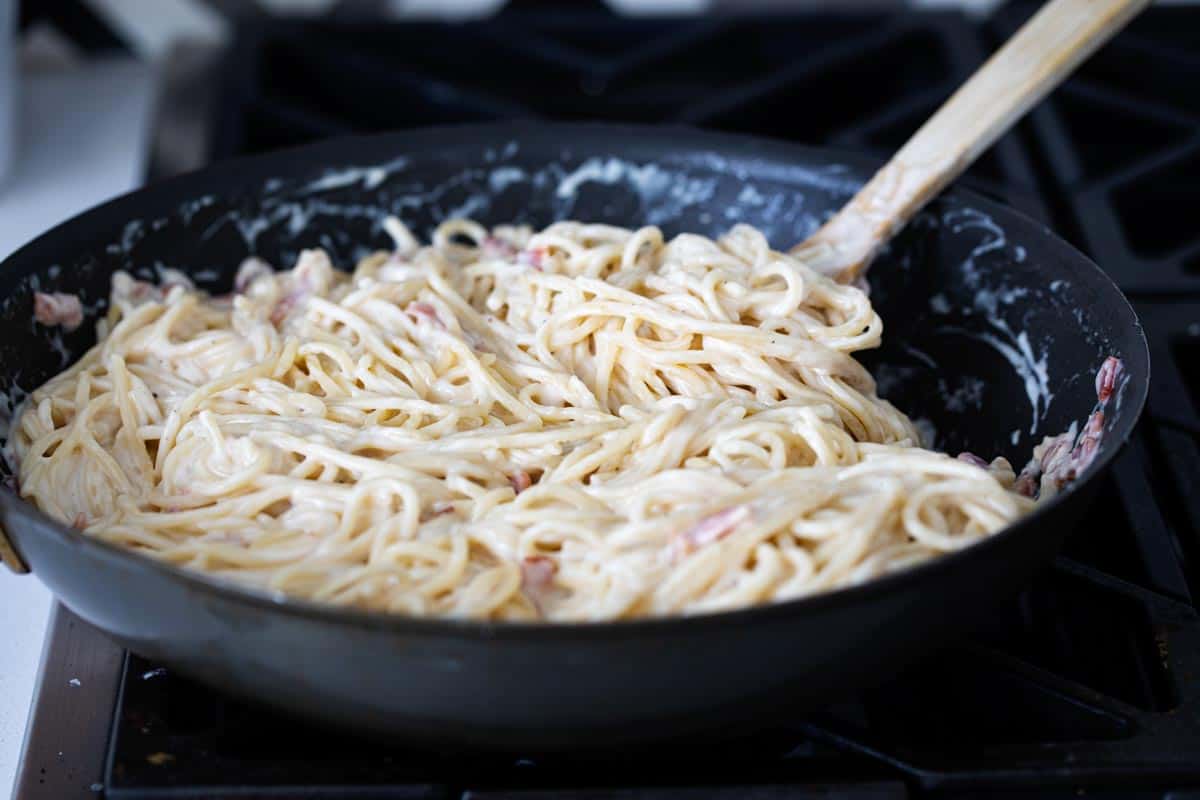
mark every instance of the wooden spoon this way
{"type": "Point", "coordinates": [1029, 65]}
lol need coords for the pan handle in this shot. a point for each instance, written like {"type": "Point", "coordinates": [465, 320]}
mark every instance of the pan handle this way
{"type": "Point", "coordinates": [8, 554]}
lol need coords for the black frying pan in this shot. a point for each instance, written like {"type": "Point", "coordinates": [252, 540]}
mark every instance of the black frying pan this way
{"type": "Point", "coordinates": [995, 328]}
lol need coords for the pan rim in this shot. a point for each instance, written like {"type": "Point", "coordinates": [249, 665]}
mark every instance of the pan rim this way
{"type": "Point", "coordinates": [686, 138]}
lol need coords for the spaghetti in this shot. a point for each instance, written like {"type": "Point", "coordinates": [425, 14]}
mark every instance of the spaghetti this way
{"type": "Point", "coordinates": [581, 423]}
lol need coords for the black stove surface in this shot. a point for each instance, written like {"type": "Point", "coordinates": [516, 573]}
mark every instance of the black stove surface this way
{"type": "Point", "coordinates": [1087, 684]}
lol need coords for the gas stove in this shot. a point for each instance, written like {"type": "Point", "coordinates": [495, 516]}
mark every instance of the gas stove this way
{"type": "Point", "coordinates": [1085, 684]}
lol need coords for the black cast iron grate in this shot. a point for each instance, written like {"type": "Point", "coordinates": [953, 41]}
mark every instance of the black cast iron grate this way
{"type": "Point", "coordinates": [1122, 150]}
{"type": "Point", "coordinates": [1087, 683]}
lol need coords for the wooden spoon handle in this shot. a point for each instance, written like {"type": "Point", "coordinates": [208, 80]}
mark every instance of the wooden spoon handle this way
{"type": "Point", "coordinates": [1029, 65]}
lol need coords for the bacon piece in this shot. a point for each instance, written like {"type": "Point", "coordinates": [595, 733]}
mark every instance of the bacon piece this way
{"type": "Point", "coordinates": [532, 258]}
{"type": "Point", "coordinates": [537, 572]}
{"type": "Point", "coordinates": [520, 480]}
{"type": "Point", "coordinates": [250, 270]}
{"type": "Point", "coordinates": [1049, 459]}
{"type": "Point", "coordinates": [537, 578]}
{"type": "Point", "coordinates": [1107, 376]}
{"type": "Point", "coordinates": [1056, 453]}
{"type": "Point", "coordinates": [311, 276]}
{"type": "Point", "coordinates": [57, 308]}
{"type": "Point", "coordinates": [301, 290]}
{"type": "Point", "coordinates": [973, 460]}
{"type": "Point", "coordinates": [144, 290]}
{"type": "Point", "coordinates": [1089, 443]}
{"type": "Point", "coordinates": [1027, 482]}
{"type": "Point", "coordinates": [495, 247]}
{"type": "Point", "coordinates": [80, 522]}
{"type": "Point", "coordinates": [424, 311]}
{"type": "Point", "coordinates": [714, 527]}
{"type": "Point", "coordinates": [1060, 459]}
{"type": "Point", "coordinates": [286, 305]}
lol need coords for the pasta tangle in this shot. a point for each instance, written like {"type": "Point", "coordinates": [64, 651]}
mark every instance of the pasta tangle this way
{"type": "Point", "coordinates": [580, 423]}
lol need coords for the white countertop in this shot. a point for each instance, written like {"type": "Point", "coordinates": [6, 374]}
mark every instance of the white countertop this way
{"type": "Point", "coordinates": [83, 138]}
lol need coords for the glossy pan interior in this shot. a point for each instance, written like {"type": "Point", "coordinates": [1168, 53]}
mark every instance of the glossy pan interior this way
{"type": "Point", "coordinates": [994, 329]}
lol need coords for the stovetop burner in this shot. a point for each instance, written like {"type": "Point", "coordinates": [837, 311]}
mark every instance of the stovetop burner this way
{"type": "Point", "coordinates": [1087, 683]}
